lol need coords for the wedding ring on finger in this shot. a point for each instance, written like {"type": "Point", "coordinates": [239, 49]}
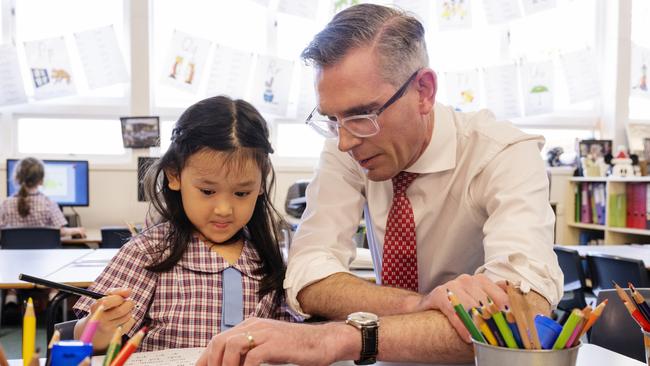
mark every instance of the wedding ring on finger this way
{"type": "Point", "coordinates": [251, 340]}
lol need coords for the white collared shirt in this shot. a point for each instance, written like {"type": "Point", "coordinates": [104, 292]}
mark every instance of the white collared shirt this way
{"type": "Point", "coordinates": [480, 205]}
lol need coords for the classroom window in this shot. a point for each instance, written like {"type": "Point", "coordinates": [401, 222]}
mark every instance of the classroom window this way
{"type": "Point", "coordinates": [640, 35]}
{"type": "Point", "coordinates": [297, 140]}
{"type": "Point", "coordinates": [564, 138]}
{"type": "Point", "coordinates": [69, 136]}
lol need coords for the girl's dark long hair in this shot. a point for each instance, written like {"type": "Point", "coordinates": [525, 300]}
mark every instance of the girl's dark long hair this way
{"type": "Point", "coordinates": [236, 128]}
{"type": "Point", "coordinates": [29, 174]}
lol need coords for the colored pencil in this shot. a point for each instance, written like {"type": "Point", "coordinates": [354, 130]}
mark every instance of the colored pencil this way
{"type": "Point", "coordinates": [502, 325]}
{"type": "Point", "coordinates": [568, 328]}
{"type": "Point", "coordinates": [464, 317]}
{"type": "Point", "coordinates": [593, 316]}
{"type": "Point", "coordinates": [639, 301]}
{"type": "Point", "coordinates": [3, 357]}
{"type": "Point", "coordinates": [636, 314]}
{"type": "Point", "coordinates": [36, 358]}
{"type": "Point", "coordinates": [91, 326]}
{"type": "Point", "coordinates": [519, 314]}
{"type": "Point", "coordinates": [512, 323]}
{"type": "Point", "coordinates": [487, 317]}
{"type": "Point", "coordinates": [113, 347]}
{"type": "Point", "coordinates": [29, 333]}
{"type": "Point", "coordinates": [483, 327]}
{"type": "Point", "coordinates": [129, 348]}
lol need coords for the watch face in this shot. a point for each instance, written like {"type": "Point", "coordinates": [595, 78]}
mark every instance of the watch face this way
{"type": "Point", "coordinates": [363, 318]}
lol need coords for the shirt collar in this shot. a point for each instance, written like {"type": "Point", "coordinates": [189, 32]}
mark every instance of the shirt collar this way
{"type": "Point", "coordinates": [198, 257]}
{"type": "Point", "coordinates": [440, 154]}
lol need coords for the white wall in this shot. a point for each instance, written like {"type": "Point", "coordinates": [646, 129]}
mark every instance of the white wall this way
{"type": "Point", "coordinates": [113, 195]}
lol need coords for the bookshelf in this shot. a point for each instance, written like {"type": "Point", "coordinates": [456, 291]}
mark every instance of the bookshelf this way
{"type": "Point", "coordinates": [612, 229]}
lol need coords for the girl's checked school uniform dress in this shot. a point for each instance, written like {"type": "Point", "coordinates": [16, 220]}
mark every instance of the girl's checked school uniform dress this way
{"type": "Point", "coordinates": [183, 306]}
{"type": "Point", "coordinates": [43, 212]}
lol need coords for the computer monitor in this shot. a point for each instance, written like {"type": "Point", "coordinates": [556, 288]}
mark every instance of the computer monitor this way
{"type": "Point", "coordinates": [140, 132]}
{"type": "Point", "coordinates": [66, 181]}
{"type": "Point", "coordinates": [143, 165]}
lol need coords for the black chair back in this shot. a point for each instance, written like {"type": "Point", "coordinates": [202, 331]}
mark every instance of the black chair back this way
{"type": "Point", "coordinates": [30, 238]}
{"type": "Point", "coordinates": [616, 330]}
{"type": "Point", "coordinates": [574, 279]}
{"type": "Point", "coordinates": [114, 236]}
{"type": "Point", "coordinates": [607, 268]}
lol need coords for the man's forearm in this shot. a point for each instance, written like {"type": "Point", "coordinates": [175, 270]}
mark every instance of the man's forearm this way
{"type": "Point", "coordinates": [341, 294]}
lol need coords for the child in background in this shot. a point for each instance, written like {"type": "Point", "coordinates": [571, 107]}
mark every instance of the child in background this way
{"type": "Point", "coordinates": [211, 192]}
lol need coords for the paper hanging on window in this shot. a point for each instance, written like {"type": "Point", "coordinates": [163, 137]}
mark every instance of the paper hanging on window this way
{"type": "Point", "coordinates": [305, 9]}
{"type": "Point", "coordinates": [271, 84]}
{"type": "Point", "coordinates": [229, 72]}
{"type": "Point", "coordinates": [636, 133]}
{"type": "Point", "coordinates": [453, 15]}
{"type": "Point", "coordinates": [185, 62]}
{"type": "Point", "coordinates": [421, 9]}
{"type": "Point", "coordinates": [580, 74]}
{"type": "Point", "coordinates": [502, 91]}
{"type": "Point", "coordinates": [101, 57]}
{"type": "Point", "coordinates": [535, 6]}
{"type": "Point", "coordinates": [463, 90]}
{"type": "Point", "coordinates": [537, 84]}
{"type": "Point", "coordinates": [306, 95]}
{"type": "Point", "coordinates": [12, 88]}
{"type": "Point", "coordinates": [639, 70]}
{"type": "Point", "coordinates": [338, 5]}
{"type": "Point", "coordinates": [49, 66]}
{"type": "Point", "coordinates": [501, 11]}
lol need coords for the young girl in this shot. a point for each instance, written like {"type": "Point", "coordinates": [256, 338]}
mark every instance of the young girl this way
{"type": "Point", "coordinates": [29, 207]}
{"type": "Point", "coordinates": [211, 192]}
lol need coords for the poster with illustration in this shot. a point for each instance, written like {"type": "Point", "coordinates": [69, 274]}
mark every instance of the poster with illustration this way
{"type": "Point", "coordinates": [101, 57]}
{"type": "Point", "coordinates": [12, 88]}
{"type": "Point", "coordinates": [271, 84]}
{"type": "Point", "coordinates": [184, 65]}
{"type": "Point", "coordinates": [502, 91]}
{"type": "Point", "coordinates": [535, 6]}
{"type": "Point", "coordinates": [421, 9]}
{"type": "Point", "coordinates": [49, 67]}
{"type": "Point", "coordinates": [463, 90]}
{"type": "Point", "coordinates": [537, 84]}
{"type": "Point", "coordinates": [501, 11]}
{"type": "Point", "coordinates": [639, 70]}
{"type": "Point", "coordinates": [453, 14]}
{"type": "Point", "coordinates": [229, 72]}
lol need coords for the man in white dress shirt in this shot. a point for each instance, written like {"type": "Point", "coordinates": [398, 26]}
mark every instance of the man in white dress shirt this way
{"type": "Point", "coordinates": [479, 204]}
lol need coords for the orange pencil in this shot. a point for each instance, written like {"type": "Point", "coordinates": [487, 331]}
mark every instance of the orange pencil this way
{"type": "Point", "coordinates": [593, 316]}
{"type": "Point", "coordinates": [129, 348]}
{"type": "Point", "coordinates": [621, 293]}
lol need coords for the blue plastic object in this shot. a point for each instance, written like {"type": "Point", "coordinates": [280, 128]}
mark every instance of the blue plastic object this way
{"type": "Point", "coordinates": [548, 330]}
{"type": "Point", "coordinates": [70, 353]}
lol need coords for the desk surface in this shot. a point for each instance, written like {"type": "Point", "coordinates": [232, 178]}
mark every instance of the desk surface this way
{"type": "Point", "coordinates": [72, 266]}
{"type": "Point", "coordinates": [635, 251]}
{"type": "Point", "coordinates": [589, 355]}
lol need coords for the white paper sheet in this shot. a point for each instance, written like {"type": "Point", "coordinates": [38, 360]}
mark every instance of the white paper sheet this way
{"type": "Point", "coordinates": [229, 72]}
{"type": "Point", "coordinates": [535, 6]}
{"type": "Point", "coordinates": [101, 57]}
{"type": "Point", "coordinates": [463, 91]}
{"type": "Point", "coordinates": [12, 88]}
{"type": "Point", "coordinates": [538, 87]}
{"type": "Point", "coordinates": [185, 62]}
{"type": "Point", "coordinates": [501, 11]}
{"type": "Point", "coordinates": [168, 357]}
{"type": "Point", "coordinates": [453, 15]}
{"type": "Point", "coordinates": [639, 70]}
{"type": "Point", "coordinates": [271, 83]}
{"type": "Point", "coordinates": [580, 73]}
{"type": "Point", "coordinates": [50, 69]}
{"type": "Point", "coordinates": [502, 91]}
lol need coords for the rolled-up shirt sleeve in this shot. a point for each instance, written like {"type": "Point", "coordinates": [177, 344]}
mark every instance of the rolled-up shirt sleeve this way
{"type": "Point", "coordinates": [323, 243]}
{"type": "Point", "coordinates": [512, 191]}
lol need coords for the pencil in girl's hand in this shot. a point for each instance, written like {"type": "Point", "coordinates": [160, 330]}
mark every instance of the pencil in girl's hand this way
{"type": "Point", "coordinates": [129, 348]}
{"type": "Point", "coordinates": [464, 317]}
{"type": "Point", "coordinates": [91, 326]}
{"type": "Point", "coordinates": [113, 347]}
{"type": "Point", "coordinates": [593, 316]}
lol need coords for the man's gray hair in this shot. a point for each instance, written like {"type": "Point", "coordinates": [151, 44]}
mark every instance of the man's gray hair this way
{"type": "Point", "coordinates": [396, 37]}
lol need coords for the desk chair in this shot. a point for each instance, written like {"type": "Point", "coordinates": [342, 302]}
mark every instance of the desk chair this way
{"type": "Point", "coordinates": [607, 268]}
{"type": "Point", "coordinates": [575, 285]}
{"type": "Point", "coordinates": [30, 238]}
{"type": "Point", "coordinates": [616, 330]}
{"type": "Point", "coordinates": [60, 301]}
{"type": "Point", "coordinates": [114, 236]}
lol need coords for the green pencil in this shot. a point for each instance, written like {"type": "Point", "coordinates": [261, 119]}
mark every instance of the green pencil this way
{"type": "Point", "coordinates": [113, 347]}
{"type": "Point", "coordinates": [567, 329]}
{"type": "Point", "coordinates": [464, 317]}
{"type": "Point", "coordinates": [504, 329]}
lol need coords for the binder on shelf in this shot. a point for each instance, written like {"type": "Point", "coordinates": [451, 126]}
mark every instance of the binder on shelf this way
{"type": "Point", "coordinates": [647, 206]}
{"type": "Point", "coordinates": [585, 211]}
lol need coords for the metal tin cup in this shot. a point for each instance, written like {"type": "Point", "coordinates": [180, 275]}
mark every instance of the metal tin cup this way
{"type": "Point", "coordinates": [646, 344]}
{"type": "Point", "coordinates": [487, 355]}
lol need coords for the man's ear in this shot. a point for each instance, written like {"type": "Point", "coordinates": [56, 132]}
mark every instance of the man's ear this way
{"type": "Point", "coordinates": [174, 180]}
{"type": "Point", "coordinates": [427, 86]}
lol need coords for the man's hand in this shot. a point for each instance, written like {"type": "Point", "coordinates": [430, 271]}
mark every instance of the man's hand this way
{"type": "Point", "coordinates": [256, 341]}
{"type": "Point", "coordinates": [469, 290]}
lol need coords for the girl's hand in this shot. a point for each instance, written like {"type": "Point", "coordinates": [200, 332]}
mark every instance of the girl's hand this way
{"type": "Point", "coordinates": [117, 311]}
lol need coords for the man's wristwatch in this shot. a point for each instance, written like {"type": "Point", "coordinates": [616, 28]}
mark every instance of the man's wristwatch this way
{"type": "Point", "coordinates": [368, 324]}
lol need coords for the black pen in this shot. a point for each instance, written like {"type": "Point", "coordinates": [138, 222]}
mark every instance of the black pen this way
{"type": "Point", "coordinates": [60, 286]}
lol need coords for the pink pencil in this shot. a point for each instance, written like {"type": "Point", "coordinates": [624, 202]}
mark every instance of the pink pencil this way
{"type": "Point", "coordinates": [91, 327]}
{"type": "Point", "coordinates": [575, 333]}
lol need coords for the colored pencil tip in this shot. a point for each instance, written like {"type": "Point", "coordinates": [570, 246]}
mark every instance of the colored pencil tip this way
{"type": "Point", "coordinates": [480, 303]}
{"type": "Point", "coordinates": [615, 284]}
{"type": "Point", "coordinates": [506, 307]}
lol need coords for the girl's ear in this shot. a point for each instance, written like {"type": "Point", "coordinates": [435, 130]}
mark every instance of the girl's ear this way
{"type": "Point", "coordinates": [174, 180]}
{"type": "Point", "coordinates": [261, 191]}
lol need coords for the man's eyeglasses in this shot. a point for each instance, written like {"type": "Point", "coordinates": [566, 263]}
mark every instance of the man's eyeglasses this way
{"type": "Point", "coordinates": [360, 125]}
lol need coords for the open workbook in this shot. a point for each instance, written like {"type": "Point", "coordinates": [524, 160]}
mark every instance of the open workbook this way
{"type": "Point", "coordinates": [168, 357]}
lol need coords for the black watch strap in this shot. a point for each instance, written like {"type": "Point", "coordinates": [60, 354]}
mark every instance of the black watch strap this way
{"type": "Point", "coordinates": [369, 345]}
